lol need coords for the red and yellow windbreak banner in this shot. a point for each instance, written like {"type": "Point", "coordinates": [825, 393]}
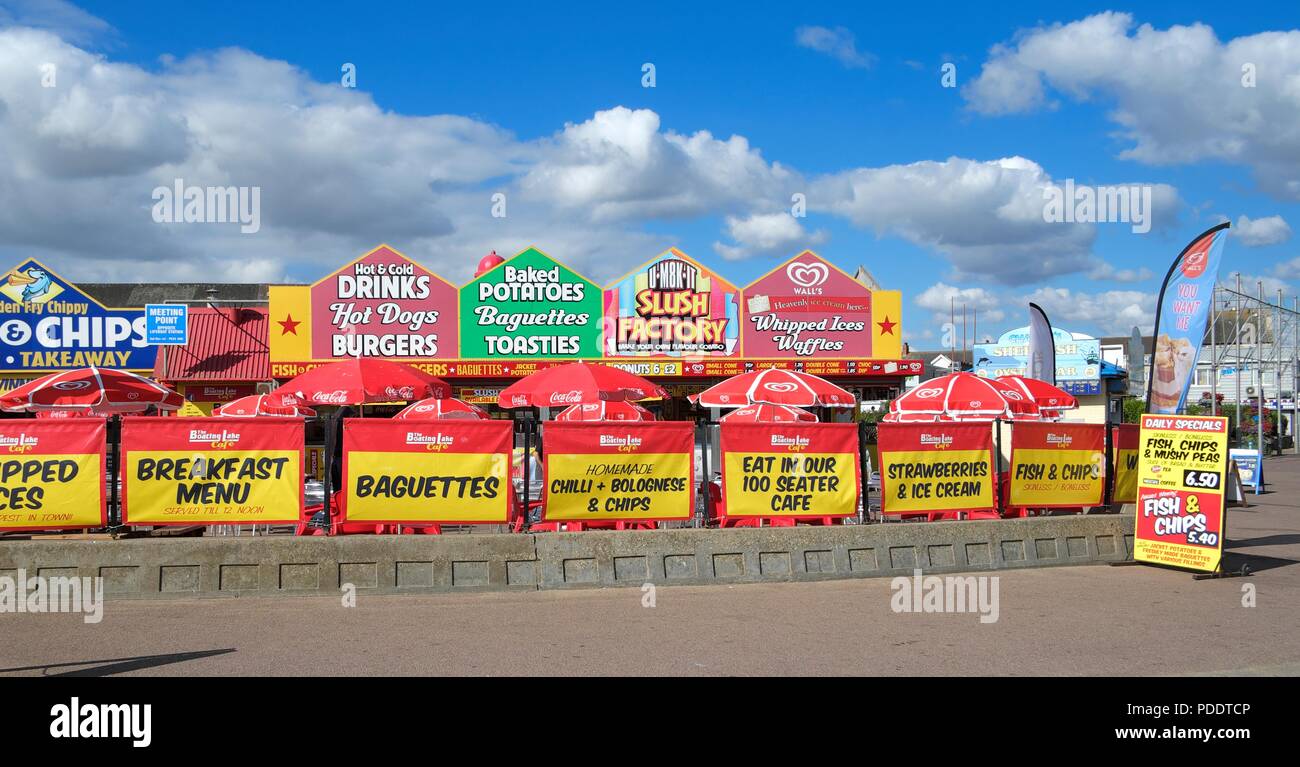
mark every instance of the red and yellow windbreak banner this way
{"type": "Point", "coordinates": [52, 474]}
{"type": "Point", "coordinates": [1055, 465]}
{"type": "Point", "coordinates": [790, 470]}
{"type": "Point", "coordinates": [185, 471]}
{"type": "Point", "coordinates": [1181, 467]}
{"type": "Point", "coordinates": [427, 471]}
{"type": "Point", "coordinates": [1126, 439]}
{"type": "Point", "coordinates": [936, 467]}
{"type": "Point", "coordinates": [619, 471]}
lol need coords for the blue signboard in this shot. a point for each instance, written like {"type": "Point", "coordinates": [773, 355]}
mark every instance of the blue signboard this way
{"type": "Point", "coordinates": [166, 324]}
{"type": "Point", "coordinates": [47, 324]}
{"type": "Point", "coordinates": [1249, 467]}
{"type": "Point", "coordinates": [1078, 360]}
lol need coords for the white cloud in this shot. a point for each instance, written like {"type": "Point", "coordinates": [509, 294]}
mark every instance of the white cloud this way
{"type": "Point", "coordinates": [1252, 283]}
{"type": "Point", "coordinates": [57, 16]}
{"type": "Point", "coordinates": [986, 217]}
{"type": "Point", "coordinates": [1178, 93]}
{"type": "Point", "coordinates": [339, 174]}
{"type": "Point", "coordinates": [1259, 232]}
{"type": "Point", "coordinates": [1112, 312]}
{"type": "Point", "coordinates": [1288, 270]}
{"type": "Point", "coordinates": [1106, 271]}
{"type": "Point", "coordinates": [942, 299]}
{"type": "Point", "coordinates": [838, 43]}
{"type": "Point", "coordinates": [766, 234]}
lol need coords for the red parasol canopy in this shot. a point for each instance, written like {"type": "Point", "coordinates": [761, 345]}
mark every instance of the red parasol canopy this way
{"type": "Point", "coordinates": [765, 413]}
{"type": "Point", "coordinates": [1045, 395]}
{"type": "Point", "coordinates": [606, 411]}
{"type": "Point", "coordinates": [965, 396]}
{"type": "Point", "coordinates": [579, 383]}
{"type": "Point", "coordinates": [256, 405]}
{"type": "Point", "coordinates": [362, 380]}
{"type": "Point", "coordinates": [774, 386]}
{"type": "Point", "coordinates": [442, 409]}
{"type": "Point", "coordinates": [102, 390]}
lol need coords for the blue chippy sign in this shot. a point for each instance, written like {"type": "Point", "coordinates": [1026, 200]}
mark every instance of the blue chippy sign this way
{"type": "Point", "coordinates": [47, 324]}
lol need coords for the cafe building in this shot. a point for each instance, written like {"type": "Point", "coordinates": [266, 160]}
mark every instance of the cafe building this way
{"type": "Point", "coordinates": [671, 319]}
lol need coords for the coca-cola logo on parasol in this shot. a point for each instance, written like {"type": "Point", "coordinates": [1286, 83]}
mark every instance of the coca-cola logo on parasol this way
{"type": "Point", "coordinates": [566, 398]}
{"type": "Point", "coordinates": [807, 275]}
{"type": "Point", "coordinates": [71, 385]}
{"type": "Point", "coordinates": [400, 392]}
{"type": "Point", "coordinates": [337, 397]}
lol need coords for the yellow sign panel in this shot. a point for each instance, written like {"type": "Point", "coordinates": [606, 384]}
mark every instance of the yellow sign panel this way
{"type": "Point", "coordinates": [1126, 476]}
{"type": "Point", "coordinates": [613, 486]}
{"type": "Point", "coordinates": [50, 491]}
{"type": "Point", "coordinates": [1047, 478]}
{"type": "Point", "coordinates": [802, 485]}
{"type": "Point", "coordinates": [936, 480]}
{"type": "Point", "coordinates": [427, 487]}
{"type": "Point", "coordinates": [212, 487]}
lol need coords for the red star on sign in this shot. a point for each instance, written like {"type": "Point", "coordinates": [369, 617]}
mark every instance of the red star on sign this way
{"type": "Point", "coordinates": [289, 326]}
{"type": "Point", "coordinates": [887, 326]}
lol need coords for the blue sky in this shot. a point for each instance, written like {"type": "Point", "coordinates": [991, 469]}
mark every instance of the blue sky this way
{"type": "Point", "coordinates": [840, 102]}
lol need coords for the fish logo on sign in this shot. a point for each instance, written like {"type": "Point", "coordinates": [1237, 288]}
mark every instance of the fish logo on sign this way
{"type": "Point", "coordinates": [33, 286]}
{"type": "Point", "coordinates": [807, 275]}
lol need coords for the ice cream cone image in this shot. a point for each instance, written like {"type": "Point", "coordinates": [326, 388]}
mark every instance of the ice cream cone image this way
{"type": "Point", "coordinates": [1170, 370]}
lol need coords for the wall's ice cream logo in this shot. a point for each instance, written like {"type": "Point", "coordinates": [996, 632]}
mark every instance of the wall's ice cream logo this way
{"type": "Point", "coordinates": [674, 307]}
{"type": "Point", "coordinates": [928, 393]}
{"type": "Point", "coordinates": [808, 275]}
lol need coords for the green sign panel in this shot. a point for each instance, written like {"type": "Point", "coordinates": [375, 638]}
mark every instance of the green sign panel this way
{"type": "Point", "coordinates": [530, 306]}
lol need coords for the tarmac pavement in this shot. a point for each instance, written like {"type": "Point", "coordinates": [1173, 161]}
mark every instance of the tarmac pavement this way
{"type": "Point", "coordinates": [1093, 620]}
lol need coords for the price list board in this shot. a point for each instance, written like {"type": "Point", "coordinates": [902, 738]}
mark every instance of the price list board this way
{"type": "Point", "coordinates": [1182, 462]}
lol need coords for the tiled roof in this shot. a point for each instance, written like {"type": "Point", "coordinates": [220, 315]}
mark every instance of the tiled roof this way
{"type": "Point", "coordinates": [225, 344]}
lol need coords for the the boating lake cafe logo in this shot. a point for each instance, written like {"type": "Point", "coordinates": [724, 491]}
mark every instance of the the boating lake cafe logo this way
{"type": "Point", "coordinates": [47, 324]}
